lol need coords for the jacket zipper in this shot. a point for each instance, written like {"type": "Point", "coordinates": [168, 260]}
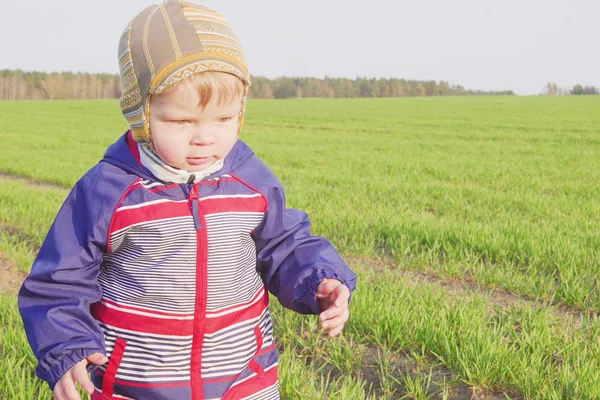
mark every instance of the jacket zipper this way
{"type": "Point", "coordinates": [195, 203]}
{"type": "Point", "coordinates": [201, 293]}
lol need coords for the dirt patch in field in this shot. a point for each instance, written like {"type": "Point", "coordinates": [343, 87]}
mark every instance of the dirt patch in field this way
{"type": "Point", "coordinates": [390, 375]}
{"type": "Point", "coordinates": [30, 182]}
{"type": "Point", "coordinates": [10, 277]}
{"type": "Point", "coordinates": [17, 234]}
{"type": "Point", "coordinates": [496, 297]}
{"type": "Point", "coordinates": [437, 380]}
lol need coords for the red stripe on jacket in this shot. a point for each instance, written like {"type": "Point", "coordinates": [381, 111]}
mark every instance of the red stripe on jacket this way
{"type": "Point", "coordinates": [255, 310]}
{"type": "Point", "coordinates": [141, 323]}
{"type": "Point", "coordinates": [252, 385]}
{"type": "Point", "coordinates": [171, 209]}
{"type": "Point", "coordinates": [132, 318]}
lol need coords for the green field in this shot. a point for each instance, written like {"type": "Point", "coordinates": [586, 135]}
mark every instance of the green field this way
{"type": "Point", "coordinates": [473, 224]}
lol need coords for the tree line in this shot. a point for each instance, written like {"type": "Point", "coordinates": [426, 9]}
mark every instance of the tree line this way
{"type": "Point", "coordinates": [552, 89]}
{"type": "Point", "coordinates": [20, 85]}
{"type": "Point", "coordinates": [285, 87]}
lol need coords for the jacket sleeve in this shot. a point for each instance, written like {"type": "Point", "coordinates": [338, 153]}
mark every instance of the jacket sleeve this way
{"type": "Point", "coordinates": [54, 300]}
{"type": "Point", "coordinates": [290, 260]}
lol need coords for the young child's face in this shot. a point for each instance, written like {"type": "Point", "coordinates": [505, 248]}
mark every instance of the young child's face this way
{"type": "Point", "coordinates": [188, 137]}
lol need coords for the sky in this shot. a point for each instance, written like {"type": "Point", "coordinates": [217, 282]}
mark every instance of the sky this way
{"type": "Point", "coordinates": [515, 45]}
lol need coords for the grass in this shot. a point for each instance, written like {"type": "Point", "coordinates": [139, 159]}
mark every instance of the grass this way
{"type": "Point", "coordinates": [491, 192]}
{"type": "Point", "coordinates": [498, 190]}
{"type": "Point", "coordinates": [17, 363]}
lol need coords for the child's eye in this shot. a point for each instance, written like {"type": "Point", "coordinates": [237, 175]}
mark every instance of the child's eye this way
{"type": "Point", "coordinates": [182, 121]}
{"type": "Point", "coordinates": [225, 119]}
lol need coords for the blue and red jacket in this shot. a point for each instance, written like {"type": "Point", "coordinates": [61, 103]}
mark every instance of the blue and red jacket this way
{"type": "Point", "coordinates": [169, 280]}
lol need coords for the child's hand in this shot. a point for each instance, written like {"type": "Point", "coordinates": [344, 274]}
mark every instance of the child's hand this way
{"type": "Point", "coordinates": [65, 387]}
{"type": "Point", "coordinates": [332, 297]}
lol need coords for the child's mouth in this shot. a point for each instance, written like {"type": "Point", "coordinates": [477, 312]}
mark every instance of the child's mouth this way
{"type": "Point", "coordinates": [197, 160]}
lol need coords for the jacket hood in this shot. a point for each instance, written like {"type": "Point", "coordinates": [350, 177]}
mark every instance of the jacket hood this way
{"type": "Point", "coordinates": [124, 154]}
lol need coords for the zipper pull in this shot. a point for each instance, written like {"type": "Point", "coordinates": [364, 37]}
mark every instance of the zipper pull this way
{"type": "Point", "coordinates": [193, 193]}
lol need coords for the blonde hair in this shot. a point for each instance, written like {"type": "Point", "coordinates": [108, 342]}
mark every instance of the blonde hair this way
{"type": "Point", "coordinates": [221, 86]}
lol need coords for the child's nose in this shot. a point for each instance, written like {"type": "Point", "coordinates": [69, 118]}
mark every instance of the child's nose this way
{"type": "Point", "coordinates": [202, 137]}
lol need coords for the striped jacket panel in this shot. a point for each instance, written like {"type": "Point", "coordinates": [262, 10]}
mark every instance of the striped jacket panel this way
{"type": "Point", "coordinates": [171, 268]}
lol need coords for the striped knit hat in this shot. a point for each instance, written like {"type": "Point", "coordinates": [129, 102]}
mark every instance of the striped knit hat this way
{"type": "Point", "coordinates": [167, 43]}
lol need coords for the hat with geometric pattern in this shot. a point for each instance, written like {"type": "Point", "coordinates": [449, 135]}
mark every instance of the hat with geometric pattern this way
{"type": "Point", "coordinates": [167, 43]}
